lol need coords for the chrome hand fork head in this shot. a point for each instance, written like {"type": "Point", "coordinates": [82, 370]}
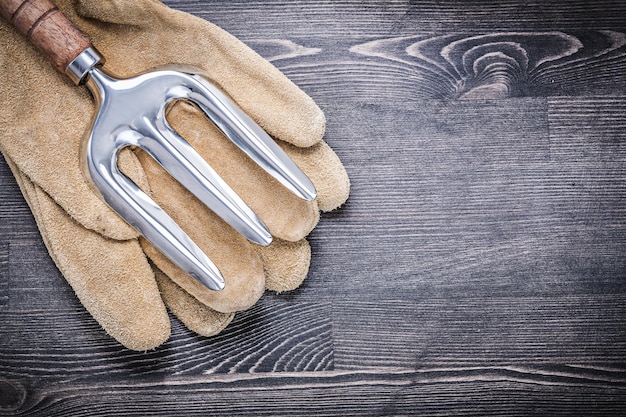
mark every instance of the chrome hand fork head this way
{"type": "Point", "coordinates": [131, 112]}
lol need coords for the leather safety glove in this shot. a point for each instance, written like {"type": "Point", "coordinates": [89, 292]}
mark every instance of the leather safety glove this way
{"type": "Point", "coordinates": [118, 276]}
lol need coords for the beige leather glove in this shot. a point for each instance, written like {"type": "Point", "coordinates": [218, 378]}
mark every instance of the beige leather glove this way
{"type": "Point", "coordinates": [43, 117]}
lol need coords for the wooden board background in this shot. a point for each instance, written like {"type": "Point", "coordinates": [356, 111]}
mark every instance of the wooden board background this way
{"type": "Point", "coordinates": [478, 267]}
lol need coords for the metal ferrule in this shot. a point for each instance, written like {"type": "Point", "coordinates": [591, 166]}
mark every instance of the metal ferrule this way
{"type": "Point", "coordinates": [78, 69]}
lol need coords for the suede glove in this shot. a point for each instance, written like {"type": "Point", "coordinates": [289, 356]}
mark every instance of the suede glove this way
{"type": "Point", "coordinates": [122, 280]}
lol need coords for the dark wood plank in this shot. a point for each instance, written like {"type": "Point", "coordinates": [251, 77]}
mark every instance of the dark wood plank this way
{"type": "Point", "coordinates": [273, 336]}
{"type": "Point", "coordinates": [418, 65]}
{"type": "Point", "coordinates": [381, 51]}
{"type": "Point", "coordinates": [472, 199]}
{"type": "Point", "coordinates": [510, 391]}
{"type": "Point", "coordinates": [33, 280]}
{"type": "Point", "coordinates": [589, 131]}
{"type": "Point", "coordinates": [376, 19]}
{"type": "Point", "coordinates": [457, 331]}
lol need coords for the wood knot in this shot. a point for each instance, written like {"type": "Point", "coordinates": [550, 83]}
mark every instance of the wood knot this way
{"type": "Point", "coordinates": [493, 65]}
{"type": "Point", "coordinates": [12, 396]}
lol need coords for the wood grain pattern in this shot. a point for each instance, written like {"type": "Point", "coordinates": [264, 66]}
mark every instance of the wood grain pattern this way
{"type": "Point", "coordinates": [477, 269]}
{"type": "Point", "coordinates": [492, 65]}
{"type": "Point", "coordinates": [273, 336]}
{"type": "Point", "coordinates": [405, 51]}
{"type": "Point", "coordinates": [4, 273]}
{"type": "Point", "coordinates": [591, 129]}
{"type": "Point", "coordinates": [338, 20]}
{"type": "Point", "coordinates": [501, 64]}
{"type": "Point", "coordinates": [463, 211]}
{"type": "Point", "coordinates": [511, 391]}
{"type": "Point", "coordinates": [47, 28]}
{"type": "Point", "coordinates": [496, 331]}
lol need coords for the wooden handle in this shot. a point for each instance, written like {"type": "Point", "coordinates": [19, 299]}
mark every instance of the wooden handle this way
{"type": "Point", "coordinates": [47, 28]}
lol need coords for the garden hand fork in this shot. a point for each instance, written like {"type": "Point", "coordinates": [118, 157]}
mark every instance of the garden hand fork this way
{"type": "Point", "coordinates": [131, 112]}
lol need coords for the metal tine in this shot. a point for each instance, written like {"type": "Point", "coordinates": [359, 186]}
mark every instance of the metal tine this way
{"type": "Point", "coordinates": [139, 210]}
{"type": "Point", "coordinates": [188, 167]}
{"type": "Point", "coordinates": [132, 113]}
{"type": "Point", "coordinates": [249, 137]}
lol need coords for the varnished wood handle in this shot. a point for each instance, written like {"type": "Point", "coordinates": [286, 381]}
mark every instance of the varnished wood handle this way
{"type": "Point", "coordinates": [47, 28]}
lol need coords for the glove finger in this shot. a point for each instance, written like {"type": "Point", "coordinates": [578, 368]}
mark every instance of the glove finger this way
{"type": "Point", "coordinates": [286, 215]}
{"type": "Point", "coordinates": [323, 167]}
{"type": "Point", "coordinates": [286, 264]}
{"type": "Point", "coordinates": [112, 279]}
{"type": "Point", "coordinates": [45, 145]}
{"type": "Point", "coordinates": [196, 316]}
{"type": "Point", "coordinates": [231, 252]}
{"type": "Point", "coordinates": [162, 36]}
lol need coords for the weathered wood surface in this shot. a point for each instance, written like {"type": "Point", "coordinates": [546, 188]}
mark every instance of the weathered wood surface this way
{"type": "Point", "coordinates": [477, 269]}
